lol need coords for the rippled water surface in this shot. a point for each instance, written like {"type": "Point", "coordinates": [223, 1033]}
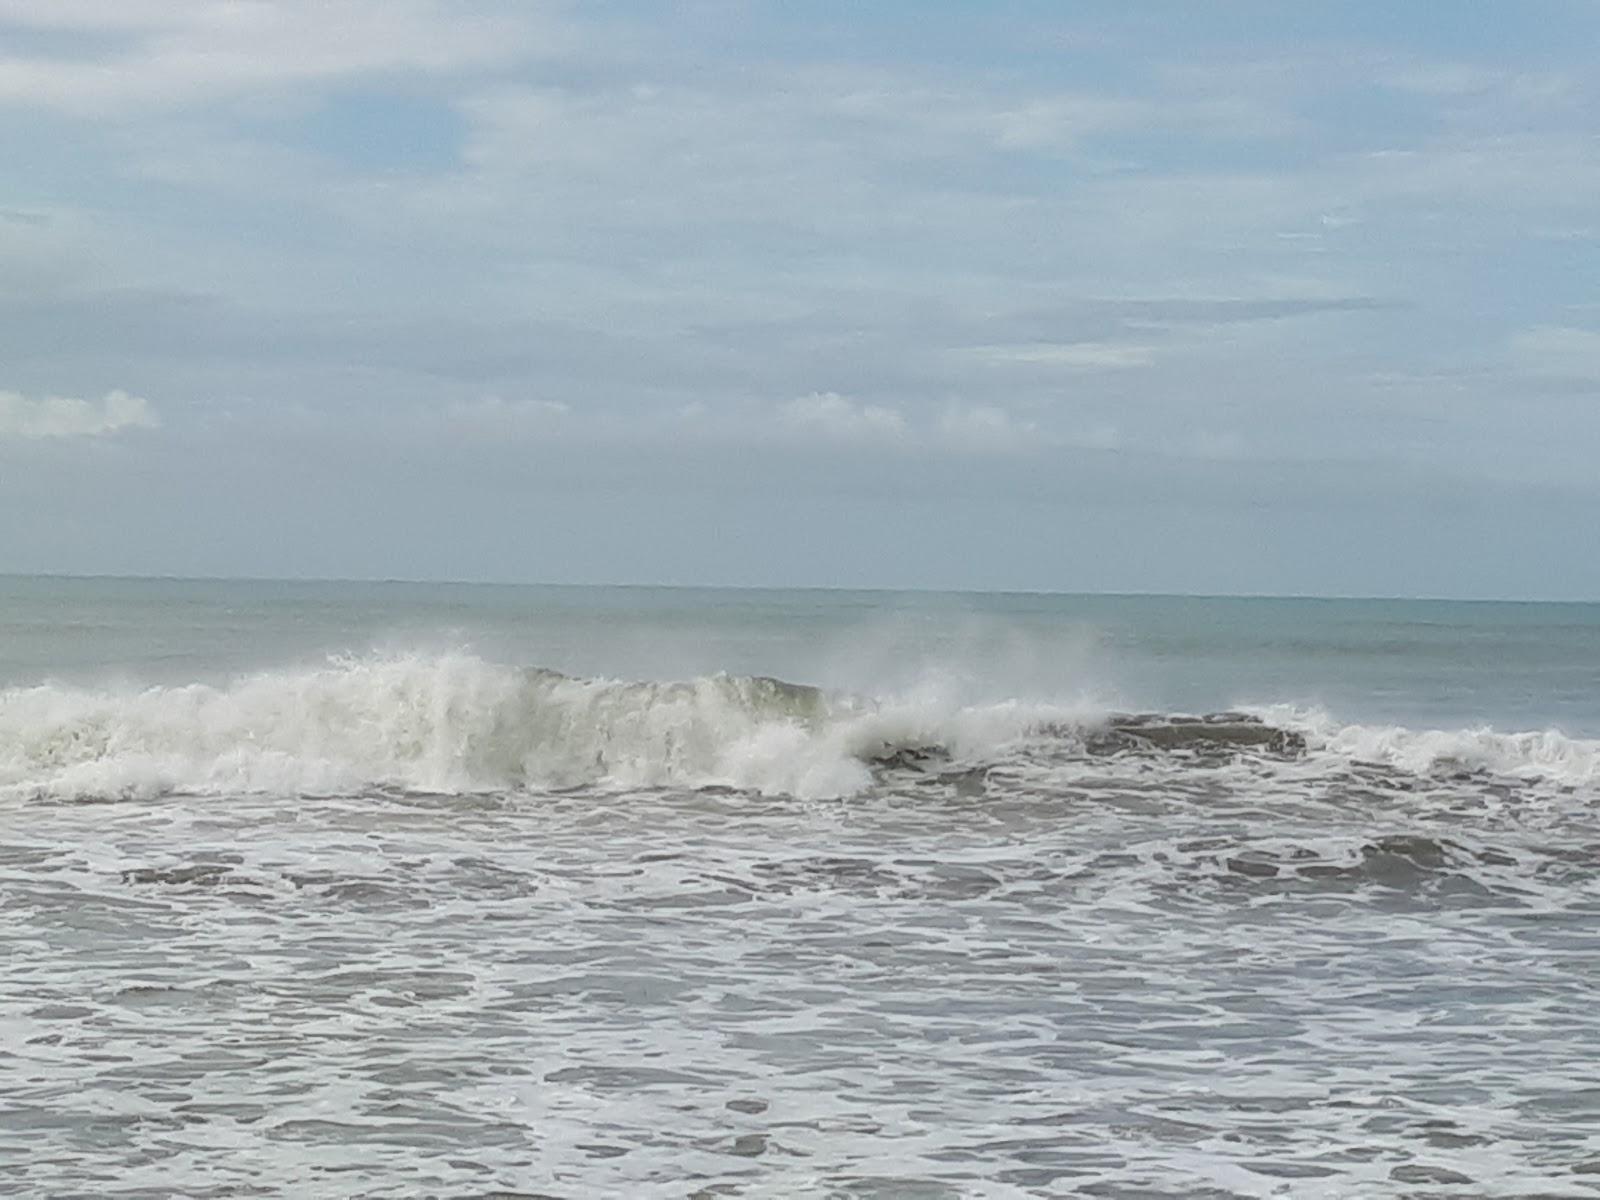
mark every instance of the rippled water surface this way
{"type": "Point", "coordinates": [1063, 975]}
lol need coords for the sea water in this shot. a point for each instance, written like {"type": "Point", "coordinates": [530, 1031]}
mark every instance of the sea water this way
{"type": "Point", "coordinates": [339, 889]}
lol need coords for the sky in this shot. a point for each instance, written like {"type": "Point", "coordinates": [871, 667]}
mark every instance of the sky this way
{"type": "Point", "coordinates": [1233, 297]}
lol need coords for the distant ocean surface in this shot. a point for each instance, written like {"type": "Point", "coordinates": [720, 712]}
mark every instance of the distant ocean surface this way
{"type": "Point", "coordinates": [351, 889]}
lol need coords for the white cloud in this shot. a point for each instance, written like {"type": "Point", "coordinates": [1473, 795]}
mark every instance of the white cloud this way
{"type": "Point", "coordinates": [1559, 352]}
{"type": "Point", "coordinates": [1073, 356]}
{"type": "Point", "coordinates": [1549, 170]}
{"type": "Point", "coordinates": [100, 16]}
{"type": "Point", "coordinates": [1456, 81]}
{"type": "Point", "coordinates": [64, 417]}
{"type": "Point", "coordinates": [841, 418]}
{"type": "Point", "coordinates": [985, 427]}
{"type": "Point", "coordinates": [818, 150]}
{"type": "Point", "coordinates": [176, 54]}
{"type": "Point", "coordinates": [496, 415]}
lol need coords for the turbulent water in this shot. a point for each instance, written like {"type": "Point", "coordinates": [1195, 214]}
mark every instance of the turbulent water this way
{"type": "Point", "coordinates": [391, 890]}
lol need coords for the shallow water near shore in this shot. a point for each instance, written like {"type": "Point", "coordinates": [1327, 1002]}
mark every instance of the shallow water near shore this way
{"type": "Point", "coordinates": [559, 891]}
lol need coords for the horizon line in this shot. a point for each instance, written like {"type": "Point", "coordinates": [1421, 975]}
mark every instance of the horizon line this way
{"type": "Point", "coordinates": [756, 587]}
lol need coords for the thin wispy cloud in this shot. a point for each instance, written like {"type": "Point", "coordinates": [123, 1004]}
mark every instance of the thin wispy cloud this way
{"type": "Point", "coordinates": [1072, 356]}
{"type": "Point", "coordinates": [985, 427]}
{"type": "Point", "coordinates": [1559, 352]}
{"type": "Point", "coordinates": [843, 419]}
{"type": "Point", "coordinates": [68, 417]}
{"type": "Point", "coordinates": [179, 54]}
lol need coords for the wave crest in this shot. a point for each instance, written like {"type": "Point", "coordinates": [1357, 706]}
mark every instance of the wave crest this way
{"type": "Point", "coordinates": [1538, 756]}
{"type": "Point", "coordinates": [455, 723]}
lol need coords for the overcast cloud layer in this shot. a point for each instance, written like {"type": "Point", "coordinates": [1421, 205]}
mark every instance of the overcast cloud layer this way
{"type": "Point", "coordinates": [1244, 297]}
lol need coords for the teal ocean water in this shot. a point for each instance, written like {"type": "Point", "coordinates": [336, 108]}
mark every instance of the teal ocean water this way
{"type": "Point", "coordinates": [1517, 665]}
{"type": "Point", "coordinates": [403, 889]}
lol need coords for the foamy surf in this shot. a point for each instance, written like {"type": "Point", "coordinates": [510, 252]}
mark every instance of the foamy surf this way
{"type": "Point", "coordinates": [456, 723]}
{"type": "Point", "coordinates": [1545, 756]}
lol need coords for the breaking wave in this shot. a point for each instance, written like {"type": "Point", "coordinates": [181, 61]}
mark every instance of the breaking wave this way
{"type": "Point", "coordinates": [1541, 756]}
{"type": "Point", "coordinates": [455, 723]}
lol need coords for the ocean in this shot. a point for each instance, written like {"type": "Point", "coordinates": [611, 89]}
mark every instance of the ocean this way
{"type": "Point", "coordinates": [394, 889]}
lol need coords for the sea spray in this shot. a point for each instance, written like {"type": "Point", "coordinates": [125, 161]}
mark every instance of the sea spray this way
{"type": "Point", "coordinates": [455, 722]}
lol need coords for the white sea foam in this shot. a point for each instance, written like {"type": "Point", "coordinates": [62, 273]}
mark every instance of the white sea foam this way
{"type": "Point", "coordinates": [1545, 756]}
{"type": "Point", "coordinates": [456, 723]}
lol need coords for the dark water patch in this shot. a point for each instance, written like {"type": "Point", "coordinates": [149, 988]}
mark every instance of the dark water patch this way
{"type": "Point", "coordinates": [435, 1135]}
{"type": "Point", "coordinates": [1579, 1104]}
{"type": "Point", "coordinates": [1254, 865]}
{"type": "Point", "coordinates": [749, 1145]}
{"type": "Point", "coordinates": [615, 1078]}
{"type": "Point", "coordinates": [890, 757]}
{"type": "Point", "coordinates": [1406, 867]}
{"type": "Point", "coordinates": [854, 876]}
{"type": "Point", "coordinates": [191, 875]}
{"type": "Point", "coordinates": [877, 1187]}
{"type": "Point", "coordinates": [1227, 731]}
{"type": "Point", "coordinates": [1290, 1170]}
{"type": "Point", "coordinates": [1210, 740]}
{"type": "Point", "coordinates": [1426, 1173]}
{"type": "Point", "coordinates": [411, 983]}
